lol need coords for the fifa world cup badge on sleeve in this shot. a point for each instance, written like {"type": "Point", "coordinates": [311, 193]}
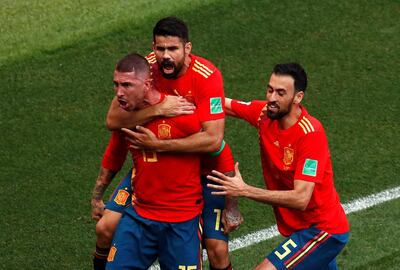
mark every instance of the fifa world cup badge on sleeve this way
{"type": "Point", "coordinates": [215, 105]}
{"type": "Point", "coordinates": [310, 167]}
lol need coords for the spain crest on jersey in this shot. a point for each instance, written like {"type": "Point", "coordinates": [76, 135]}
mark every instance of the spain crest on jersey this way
{"type": "Point", "coordinates": [164, 131]}
{"type": "Point", "coordinates": [121, 197]}
{"type": "Point", "coordinates": [288, 155]}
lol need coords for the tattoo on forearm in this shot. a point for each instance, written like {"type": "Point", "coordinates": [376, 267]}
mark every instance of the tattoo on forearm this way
{"type": "Point", "coordinates": [231, 202]}
{"type": "Point", "coordinates": [103, 180]}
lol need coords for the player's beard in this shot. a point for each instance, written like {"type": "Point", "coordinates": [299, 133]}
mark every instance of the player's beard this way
{"type": "Point", "coordinates": [282, 112]}
{"type": "Point", "coordinates": [177, 68]}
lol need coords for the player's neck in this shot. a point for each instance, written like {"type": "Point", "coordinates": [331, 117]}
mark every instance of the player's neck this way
{"type": "Point", "coordinates": [291, 118]}
{"type": "Point", "coordinates": [153, 97]}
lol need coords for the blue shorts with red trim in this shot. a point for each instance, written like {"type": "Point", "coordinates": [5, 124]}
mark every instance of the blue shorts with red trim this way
{"type": "Point", "coordinates": [121, 196]}
{"type": "Point", "coordinates": [309, 249]}
{"type": "Point", "coordinates": [139, 241]}
{"type": "Point", "coordinates": [212, 213]}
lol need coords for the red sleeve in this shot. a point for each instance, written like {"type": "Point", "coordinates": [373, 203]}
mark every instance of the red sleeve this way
{"type": "Point", "coordinates": [210, 100]}
{"type": "Point", "coordinates": [248, 111]}
{"type": "Point", "coordinates": [116, 151]}
{"type": "Point", "coordinates": [313, 157]}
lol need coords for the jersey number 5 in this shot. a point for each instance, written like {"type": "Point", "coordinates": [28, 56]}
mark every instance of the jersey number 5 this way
{"type": "Point", "coordinates": [286, 248]}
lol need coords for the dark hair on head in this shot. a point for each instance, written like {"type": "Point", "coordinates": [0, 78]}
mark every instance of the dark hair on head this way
{"type": "Point", "coordinates": [171, 26]}
{"type": "Point", "coordinates": [296, 72]}
{"type": "Point", "coordinates": [134, 62]}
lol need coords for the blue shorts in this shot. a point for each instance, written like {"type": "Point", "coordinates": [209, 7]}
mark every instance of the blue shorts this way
{"type": "Point", "coordinates": [212, 213]}
{"type": "Point", "coordinates": [309, 249]}
{"type": "Point", "coordinates": [121, 196]}
{"type": "Point", "coordinates": [138, 242]}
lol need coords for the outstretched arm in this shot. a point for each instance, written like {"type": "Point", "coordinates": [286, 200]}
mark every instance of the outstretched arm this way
{"type": "Point", "coordinates": [228, 107]}
{"type": "Point", "coordinates": [297, 198]}
{"type": "Point", "coordinates": [171, 106]}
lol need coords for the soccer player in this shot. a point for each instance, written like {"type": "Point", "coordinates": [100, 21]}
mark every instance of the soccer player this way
{"type": "Point", "coordinates": [213, 213]}
{"type": "Point", "coordinates": [297, 173]}
{"type": "Point", "coordinates": [163, 220]}
{"type": "Point", "coordinates": [176, 71]}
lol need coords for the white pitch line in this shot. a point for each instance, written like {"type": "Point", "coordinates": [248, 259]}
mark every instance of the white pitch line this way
{"type": "Point", "coordinates": [372, 200]}
{"type": "Point", "coordinates": [268, 233]}
{"type": "Point", "coordinates": [353, 206]}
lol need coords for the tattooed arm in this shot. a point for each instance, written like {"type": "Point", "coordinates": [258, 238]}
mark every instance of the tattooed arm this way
{"type": "Point", "coordinates": [231, 216]}
{"type": "Point", "coordinates": [103, 180]}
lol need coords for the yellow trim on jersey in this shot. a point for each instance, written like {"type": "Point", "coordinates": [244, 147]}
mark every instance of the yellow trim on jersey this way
{"type": "Point", "coordinates": [203, 66]}
{"type": "Point", "coordinates": [151, 58]}
{"type": "Point", "coordinates": [309, 123]}
{"type": "Point", "coordinates": [304, 129]}
{"type": "Point", "coordinates": [306, 125]}
{"type": "Point", "coordinates": [200, 72]}
{"type": "Point", "coordinates": [201, 69]}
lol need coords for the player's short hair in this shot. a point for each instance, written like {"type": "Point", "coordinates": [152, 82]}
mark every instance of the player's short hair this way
{"type": "Point", "coordinates": [171, 26]}
{"type": "Point", "coordinates": [294, 70]}
{"type": "Point", "coordinates": [134, 62]}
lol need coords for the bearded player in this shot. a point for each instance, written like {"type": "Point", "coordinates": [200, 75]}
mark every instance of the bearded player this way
{"type": "Point", "coordinates": [178, 72]}
{"type": "Point", "coordinates": [297, 173]}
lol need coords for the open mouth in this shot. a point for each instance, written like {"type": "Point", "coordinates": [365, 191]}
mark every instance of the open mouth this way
{"type": "Point", "coordinates": [122, 103]}
{"type": "Point", "coordinates": [273, 107]}
{"type": "Point", "coordinates": [168, 67]}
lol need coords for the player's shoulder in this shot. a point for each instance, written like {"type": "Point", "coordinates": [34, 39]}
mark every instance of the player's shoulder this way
{"type": "Point", "coordinates": [202, 67]}
{"type": "Point", "coordinates": [151, 58]}
{"type": "Point", "coordinates": [309, 124]}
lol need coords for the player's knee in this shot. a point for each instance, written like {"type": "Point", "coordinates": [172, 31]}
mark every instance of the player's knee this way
{"type": "Point", "coordinates": [104, 231]}
{"type": "Point", "coordinates": [265, 265]}
{"type": "Point", "coordinates": [218, 253]}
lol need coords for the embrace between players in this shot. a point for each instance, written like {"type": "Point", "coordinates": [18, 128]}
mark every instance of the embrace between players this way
{"type": "Point", "coordinates": [181, 193]}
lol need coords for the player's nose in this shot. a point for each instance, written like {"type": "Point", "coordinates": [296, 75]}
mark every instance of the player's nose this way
{"type": "Point", "coordinates": [119, 91]}
{"type": "Point", "coordinates": [166, 55]}
{"type": "Point", "coordinates": [271, 97]}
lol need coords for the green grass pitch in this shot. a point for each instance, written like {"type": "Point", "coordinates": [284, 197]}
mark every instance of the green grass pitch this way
{"type": "Point", "coordinates": [56, 65]}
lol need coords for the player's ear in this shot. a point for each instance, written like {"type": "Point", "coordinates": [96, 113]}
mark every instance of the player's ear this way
{"type": "Point", "coordinates": [148, 83]}
{"type": "Point", "coordinates": [188, 47]}
{"type": "Point", "coordinates": [298, 97]}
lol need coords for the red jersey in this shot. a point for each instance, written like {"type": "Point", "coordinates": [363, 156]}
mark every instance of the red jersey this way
{"type": "Point", "coordinates": [166, 186]}
{"type": "Point", "coordinates": [300, 152]}
{"type": "Point", "coordinates": [201, 84]}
